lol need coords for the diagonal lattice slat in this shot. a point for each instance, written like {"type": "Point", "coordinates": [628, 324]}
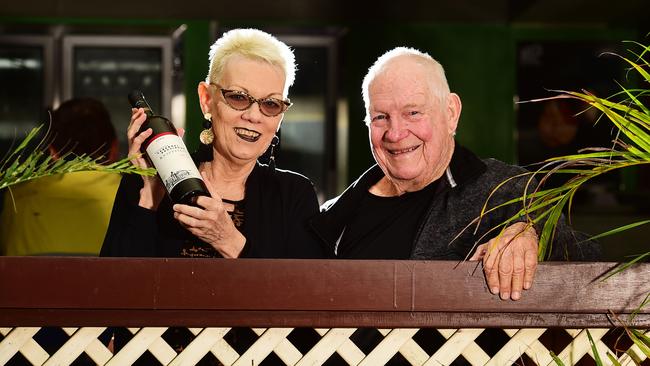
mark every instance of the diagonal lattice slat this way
{"type": "Point", "coordinates": [221, 349]}
{"type": "Point", "coordinates": [454, 347]}
{"type": "Point", "coordinates": [535, 349]}
{"type": "Point", "coordinates": [199, 347]}
{"type": "Point", "coordinates": [287, 352]}
{"type": "Point", "coordinates": [20, 340]}
{"type": "Point", "coordinates": [80, 340]}
{"type": "Point", "coordinates": [332, 340]}
{"type": "Point", "coordinates": [472, 353]}
{"type": "Point", "coordinates": [347, 349]}
{"type": "Point", "coordinates": [264, 345]}
{"type": "Point", "coordinates": [519, 343]}
{"type": "Point", "coordinates": [95, 349]}
{"type": "Point", "coordinates": [145, 338]}
{"type": "Point", "coordinates": [458, 342]}
{"type": "Point", "coordinates": [411, 351]}
{"type": "Point", "coordinates": [388, 347]}
{"type": "Point", "coordinates": [580, 345]}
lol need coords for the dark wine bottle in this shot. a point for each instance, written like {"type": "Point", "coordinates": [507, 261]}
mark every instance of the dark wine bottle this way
{"type": "Point", "coordinates": [166, 151]}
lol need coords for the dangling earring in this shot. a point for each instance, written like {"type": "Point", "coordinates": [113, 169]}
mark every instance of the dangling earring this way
{"type": "Point", "coordinates": [274, 142]}
{"type": "Point", "coordinates": [207, 136]}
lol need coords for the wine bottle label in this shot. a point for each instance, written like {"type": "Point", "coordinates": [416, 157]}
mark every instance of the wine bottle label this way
{"type": "Point", "coordinates": [170, 157]}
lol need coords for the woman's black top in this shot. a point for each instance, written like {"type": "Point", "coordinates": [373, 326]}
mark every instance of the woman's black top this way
{"type": "Point", "coordinates": [276, 207]}
{"type": "Point", "coordinates": [272, 216]}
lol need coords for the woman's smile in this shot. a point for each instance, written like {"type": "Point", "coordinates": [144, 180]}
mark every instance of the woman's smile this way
{"type": "Point", "coordinates": [247, 135]}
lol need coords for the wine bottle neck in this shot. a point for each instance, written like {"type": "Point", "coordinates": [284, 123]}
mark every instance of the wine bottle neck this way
{"type": "Point", "coordinates": [148, 111]}
{"type": "Point", "coordinates": [141, 103]}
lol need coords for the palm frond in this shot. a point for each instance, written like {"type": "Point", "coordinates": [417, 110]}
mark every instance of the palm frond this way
{"type": "Point", "coordinates": [627, 112]}
{"type": "Point", "coordinates": [22, 165]}
{"type": "Point", "coordinates": [594, 350]}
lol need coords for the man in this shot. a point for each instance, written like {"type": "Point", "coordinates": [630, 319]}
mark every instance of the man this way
{"type": "Point", "coordinates": [423, 197]}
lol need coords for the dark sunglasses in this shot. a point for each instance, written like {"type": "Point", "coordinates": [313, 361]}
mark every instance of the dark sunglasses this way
{"type": "Point", "coordinates": [241, 101]}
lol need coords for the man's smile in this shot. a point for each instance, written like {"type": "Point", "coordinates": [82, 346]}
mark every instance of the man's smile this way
{"type": "Point", "coordinates": [402, 151]}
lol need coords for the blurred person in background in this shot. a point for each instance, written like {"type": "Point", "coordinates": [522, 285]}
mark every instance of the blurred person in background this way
{"type": "Point", "coordinates": [65, 214]}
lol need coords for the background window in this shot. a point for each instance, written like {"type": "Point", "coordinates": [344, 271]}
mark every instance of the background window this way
{"type": "Point", "coordinates": [25, 71]}
{"type": "Point", "coordinates": [109, 67]}
{"type": "Point", "coordinates": [307, 136]}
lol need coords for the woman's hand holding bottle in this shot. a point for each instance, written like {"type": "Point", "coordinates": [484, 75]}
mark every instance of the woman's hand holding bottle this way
{"type": "Point", "coordinates": [211, 223]}
{"type": "Point", "coordinates": [153, 190]}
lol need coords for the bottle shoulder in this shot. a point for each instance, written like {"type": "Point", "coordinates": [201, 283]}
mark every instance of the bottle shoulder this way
{"type": "Point", "coordinates": [159, 125]}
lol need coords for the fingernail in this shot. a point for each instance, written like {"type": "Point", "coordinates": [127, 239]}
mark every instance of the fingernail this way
{"type": "Point", "coordinates": [494, 290]}
{"type": "Point", "coordinates": [527, 285]}
{"type": "Point", "coordinates": [516, 295]}
{"type": "Point", "coordinates": [505, 296]}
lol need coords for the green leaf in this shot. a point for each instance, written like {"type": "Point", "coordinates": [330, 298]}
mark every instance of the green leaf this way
{"type": "Point", "coordinates": [627, 265]}
{"type": "Point", "coordinates": [557, 360]}
{"type": "Point", "coordinates": [548, 231]}
{"type": "Point", "coordinates": [640, 340]}
{"type": "Point", "coordinates": [635, 358]}
{"type": "Point", "coordinates": [613, 359]}
{"type": "Point", "coordinates": [639, 69]}
{"type": "Point", "coordinates": [594, 350]}
{"type": "Point", "coordinates": [619, 229]}
{"type": "Point", "coordinates": [37, 164]}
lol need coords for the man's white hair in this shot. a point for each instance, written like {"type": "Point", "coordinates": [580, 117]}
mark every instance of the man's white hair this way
{"type": "Point", "coordinates": [439, 82]}
{"type": "Point", "coordinates": [253, 44]}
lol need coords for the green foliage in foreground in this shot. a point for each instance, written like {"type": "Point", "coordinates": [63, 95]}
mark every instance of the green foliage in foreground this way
{"type": "Point", "coordinates": [640, 339]}
{"type": "Point", "coordinates": [630, 116]}
{"type": "Point", "coordinates": [22, 165]}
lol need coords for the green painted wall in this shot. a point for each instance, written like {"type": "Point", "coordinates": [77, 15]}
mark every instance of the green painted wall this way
{"type": "Point", "coordinates": [197, 41]}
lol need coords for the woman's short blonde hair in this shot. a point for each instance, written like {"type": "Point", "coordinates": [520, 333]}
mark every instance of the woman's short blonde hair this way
{"type": "Point", "coordinates": [254, 44]}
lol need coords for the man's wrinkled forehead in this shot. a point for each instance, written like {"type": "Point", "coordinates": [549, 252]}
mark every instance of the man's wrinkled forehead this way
{"type": "Point", "coordinates": [406, 69]}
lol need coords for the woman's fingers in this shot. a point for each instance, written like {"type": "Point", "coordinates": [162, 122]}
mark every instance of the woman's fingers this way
{"type": "Point", "coordinates": [138, 117]}
{"type": "Point", "coordinates": [134, 149]}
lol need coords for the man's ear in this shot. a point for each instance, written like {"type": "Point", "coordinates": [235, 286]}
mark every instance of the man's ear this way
{"type": "Point", "coordinates": [454, 107]}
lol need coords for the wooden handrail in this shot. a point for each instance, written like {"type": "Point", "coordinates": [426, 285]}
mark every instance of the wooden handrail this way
{"type": "Point", "coordinates": [69, 291]}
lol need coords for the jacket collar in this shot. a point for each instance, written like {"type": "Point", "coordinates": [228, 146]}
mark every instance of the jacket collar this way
{"type": "Point", "coordinates": [336, 213]}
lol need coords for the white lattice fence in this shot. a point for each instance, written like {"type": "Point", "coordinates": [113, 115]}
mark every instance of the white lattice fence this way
{"type": "Point", "coordinates": [326, 300]}
{"type": "Point", "coordinates": [458, 342]}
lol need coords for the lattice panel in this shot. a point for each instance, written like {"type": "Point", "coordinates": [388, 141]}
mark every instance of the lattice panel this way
{"type": "Point", "coordinates": [401, 342]}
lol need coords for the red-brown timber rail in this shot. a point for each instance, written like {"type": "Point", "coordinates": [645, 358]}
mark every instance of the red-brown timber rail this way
{"type": "Point", "coordinates": [136, 292]}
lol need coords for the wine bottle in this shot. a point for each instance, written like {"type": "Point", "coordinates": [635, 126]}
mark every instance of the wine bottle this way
{"type": "Point", "coordinates": [166, 151]}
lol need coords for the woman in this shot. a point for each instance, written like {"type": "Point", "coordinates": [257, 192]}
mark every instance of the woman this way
{"type": "Point", "coordinates": [255, 210]}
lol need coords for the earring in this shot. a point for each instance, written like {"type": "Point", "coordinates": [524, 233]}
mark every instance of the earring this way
{"type": "Point", "coordinates": [274, 142]}
{"type": "Point", "coordinates": [207, 136]}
